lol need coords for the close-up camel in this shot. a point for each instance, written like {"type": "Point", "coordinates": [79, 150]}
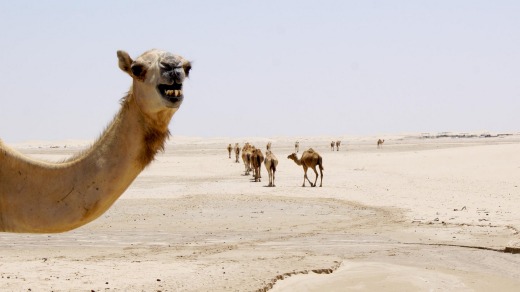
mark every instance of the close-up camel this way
{"type": "Point", "coordinates": [47, 197]}
{"type": "Point", "coordinates": [271, 162]}
{"type": "Point", "coordinates": [237, 152]}
{"type": "Point", "coordinates": [310, 158]}
{"type": "Point", "coordinates": [380, 143]}
{"type": "Point", "coordinates": [229, 149]}
{"type": "Point", "coordinates": [338, 143]}
{"type": "Point", "coordinates": [257, 157]}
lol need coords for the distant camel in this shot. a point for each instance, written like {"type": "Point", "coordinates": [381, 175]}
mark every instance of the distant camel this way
{"type": "Point", "coordinates": [256, 161]}
{"type": "Point", "coordinates": [332, 145]}
{"type": "Point", "coordinates": [268, 146]}
{"type": "Point", "coordinates": [270, 164]}
{"type": "Point", "coordinates": [237, 152]}
{"type": "Point", "coordinates": [310, 158]}
{"type": "Point", "coordinates": [246, 157]}
{"type": "Point", "coordinates": [297, 147]}
{"type": "Point", "coordinates": [380, 143]}
{"type": "Point", "coordinates": [229, 149]}
{"type": "Point", "coordinates": [337, 145]}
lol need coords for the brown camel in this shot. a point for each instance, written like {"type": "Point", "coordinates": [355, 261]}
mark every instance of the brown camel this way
{"type": "Point", "coordinates": [338, 143]}
{"type": "Point", "coordinates": [237, 152]}
{"type": "Point", "coordinates": [270, 164]}
{"type": "Point", "coordinates": [380, 143]}
{"type": "Point", "coordinates": [257, 157]}
{"type": "Point", "coordinates": [246, 157]}
{"type": "Point", "coordinates": [297, 147]}
{"type": "Point", "coordinates": [268, 146]}
{"type": "Point", "coordinates": [332, 144]}
{"type": "Point", "coordinates": [48, 197]}
{"type": "Point", "coordinates": [310, 158]}
{"type": "Point", "coordinates": [229, 149]}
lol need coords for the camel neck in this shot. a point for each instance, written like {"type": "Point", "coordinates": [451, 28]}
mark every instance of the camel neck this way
{"type": "Point", "coordinates": [67, 195]}
{"type": "Point", "coordinates": [297, 161]}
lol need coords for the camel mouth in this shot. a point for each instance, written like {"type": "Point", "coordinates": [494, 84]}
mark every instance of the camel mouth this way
{"type": "Point", "coordinates": [171, 93]}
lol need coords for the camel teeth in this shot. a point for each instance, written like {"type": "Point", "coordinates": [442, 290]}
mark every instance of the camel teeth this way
{"type": "Point", "coordinates": [171, 92]}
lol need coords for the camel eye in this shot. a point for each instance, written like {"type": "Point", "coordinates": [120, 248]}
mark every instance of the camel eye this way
{"type": "Point", "coordinates": [138, 70]}
{"type": "Point", "coordinates": [187, 69]}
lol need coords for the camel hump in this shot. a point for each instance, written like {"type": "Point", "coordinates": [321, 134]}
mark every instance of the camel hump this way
{"type": "Point", "coordinates": [311, 150]}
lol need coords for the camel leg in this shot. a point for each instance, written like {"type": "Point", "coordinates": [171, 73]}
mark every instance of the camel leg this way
{"type": "Point", "coordinates": [273, 178]}
{"type": "Point", "coordinates": [316, 179]}
{"type": "Point", "coordinates": [305, 175]}
{"type": "Point", "coordinates": [321, 180]}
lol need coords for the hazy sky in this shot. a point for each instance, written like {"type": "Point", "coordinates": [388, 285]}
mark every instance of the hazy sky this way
{"type": "Point", "coordinates": [266, 68]}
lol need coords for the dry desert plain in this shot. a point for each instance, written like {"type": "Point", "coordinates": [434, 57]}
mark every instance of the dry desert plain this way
{"type": "Point", "coordinates": [417, 215]}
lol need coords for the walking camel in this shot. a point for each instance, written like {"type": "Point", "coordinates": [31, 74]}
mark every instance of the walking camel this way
{"type": "Point", "coordinates": [338, 143]}
{"type": "Point", "coordinates": [310, 158]}
{"type": "Point", "coordinates": [268, 147]}
{"type": "Point", "coordinates": [380, 143]}
{"type": "Point", "coordinates": [237, 152]}
{"type": "Point", "coordinates": [229, 149]}
{"type": "Point", "coordinates": [332, 144]}
{"type": "Point", "coordinates": [48, 197]}
{"type": "Point", "coordinates": [257, 158]}
{"type": "Point", "coordinates": [246, 157]}
{"type": "Point", "coordinates": [297, 147]}
{"type": "Point", "coordinates": [270, 164]}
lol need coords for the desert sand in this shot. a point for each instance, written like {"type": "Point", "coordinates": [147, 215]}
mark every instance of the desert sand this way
{"type": "Point", "coordinates": [420, 214]}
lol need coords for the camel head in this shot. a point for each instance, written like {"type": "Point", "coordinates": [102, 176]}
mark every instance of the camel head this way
{"type": "Point", "coordinates": [157, 79]}
{"type": "Point", "coordinates": [292, 156]}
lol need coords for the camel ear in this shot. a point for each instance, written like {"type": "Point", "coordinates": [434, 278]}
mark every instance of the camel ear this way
{"type": "Point", "coordinates": [187, 69]}
{"type": "Point", "coordinates": [125, 62]}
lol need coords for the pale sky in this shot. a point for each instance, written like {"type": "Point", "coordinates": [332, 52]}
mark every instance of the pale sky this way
{"type": "Point", "coordinates": [266, 68]}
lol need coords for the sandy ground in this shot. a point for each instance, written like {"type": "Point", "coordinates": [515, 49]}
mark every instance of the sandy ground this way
{"type": "Point", "coordinates": [416, 215]}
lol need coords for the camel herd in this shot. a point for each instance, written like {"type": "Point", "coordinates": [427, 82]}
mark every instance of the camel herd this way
{"type": "Point", "coordinates": [253, 158]}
